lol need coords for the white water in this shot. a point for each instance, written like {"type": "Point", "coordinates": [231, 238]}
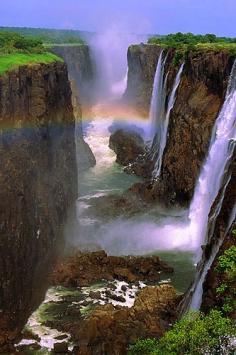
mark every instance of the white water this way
{"type": "Point", "coordinates": [211, 178]}
{"type": "Point", "coordinates": [157, 107]}
{"type": "Point", "coordinates": [119, 87]}
{"type": "Point", "coordinates": [165, 124]}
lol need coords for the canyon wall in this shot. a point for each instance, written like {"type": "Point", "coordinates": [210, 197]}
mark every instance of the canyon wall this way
{"type": "Point", "coordinates": [80, 68]}
{"type": "Point", "coordinates": [38, 185]}
{"type": "Point", "coordinates": [199, 99]}
{"type": "Point", "coordinates": [223, 230]}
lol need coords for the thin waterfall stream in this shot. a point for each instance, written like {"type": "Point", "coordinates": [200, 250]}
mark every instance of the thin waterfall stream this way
{"type": "Point", "coordinates": [159, 115]}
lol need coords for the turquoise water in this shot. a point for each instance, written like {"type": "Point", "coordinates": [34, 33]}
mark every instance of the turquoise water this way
{"type": "Point", "coordinates": [154, 232]}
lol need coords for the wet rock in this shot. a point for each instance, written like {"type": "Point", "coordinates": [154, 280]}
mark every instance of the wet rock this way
{"type": "Point", "coordinates": [60, 348]}
{"type": "Point", "coordinates": [95, 295]}
{"type": "Point", "coordinates": [124, 274]}
{"type": "Point", "coordinates": [128, 146]}
{"type": "Point", "coordinates": [123, 288]}
{"type": "Point", "coordinates": [153, 311]}
{"type": "Point", "coordinates": [101, 266]}
{"type": "Point", "coordinates": [114, 297]}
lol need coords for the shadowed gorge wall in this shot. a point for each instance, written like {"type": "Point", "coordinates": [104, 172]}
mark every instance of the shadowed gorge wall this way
{"type": "Point", "coordinates": [80, 68]}
{"type": "Point", "coordinates": [38, 185]}
{"type": "Point", "coordinates": [199, 99]}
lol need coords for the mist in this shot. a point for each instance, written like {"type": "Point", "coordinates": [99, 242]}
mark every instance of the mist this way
{"type": "Point", "coordinates": [109, 55]}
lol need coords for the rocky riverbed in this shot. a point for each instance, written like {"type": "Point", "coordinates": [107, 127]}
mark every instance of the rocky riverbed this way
{"type": "Point", "coordinates": [95, 296]}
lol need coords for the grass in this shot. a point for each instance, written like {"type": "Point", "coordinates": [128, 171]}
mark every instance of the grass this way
{"type": "Point", "coordinates": [14, 60]}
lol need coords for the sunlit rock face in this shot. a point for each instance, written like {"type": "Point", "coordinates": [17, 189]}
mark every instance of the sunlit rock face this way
{"type": "Point", "coordinates": [200, 96]}
{"type": "Point", "coordinates": [38, 185]}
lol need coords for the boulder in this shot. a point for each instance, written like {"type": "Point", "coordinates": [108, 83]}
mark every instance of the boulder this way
{"type": "Point", "coordinates": [128, 146]}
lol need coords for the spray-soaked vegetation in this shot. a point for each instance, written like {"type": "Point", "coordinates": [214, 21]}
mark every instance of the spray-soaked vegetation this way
{"type": "Point", "coordinates": [195, 334]}
{"type": "Point", "coordinates": [189, 41]}
{"type": "Point", "coordinates": [50, 36]}
{"type": "Point", "coordinates": [17, 50]}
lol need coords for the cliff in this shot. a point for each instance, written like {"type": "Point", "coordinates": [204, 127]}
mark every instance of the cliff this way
{"type": "Point", "coordinates": [38, 185]}
{"type": "Point", "coordinates": [80, 68]}
{"type": "Point", "coordinates": [199, 99]}
{"type": "Point", "coordinates": [212, 298]}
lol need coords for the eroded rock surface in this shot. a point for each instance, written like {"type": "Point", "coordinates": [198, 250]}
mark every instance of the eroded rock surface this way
{"type": "Point", "coordinates": [199, 99]}
{"type": "Point", "coordinates": [84, 269]}
{"type": "Point", "coordinates": [109, 330]}
{"type": "Point", "coordinates": [38, 185]}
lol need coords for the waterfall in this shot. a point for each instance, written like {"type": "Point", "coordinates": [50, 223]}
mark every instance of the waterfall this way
{"type": "Point", "coordinates": [165, 124]}
{"type": "Point", "coordinates": [119, 87]}
{"type": "Point", "coordinates": [213, 176]}
{"type": "Point", "coordinates": [157, 107]}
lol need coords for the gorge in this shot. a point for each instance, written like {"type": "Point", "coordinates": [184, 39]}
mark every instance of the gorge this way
{"type": "Point", "coordinates": [177, 114]}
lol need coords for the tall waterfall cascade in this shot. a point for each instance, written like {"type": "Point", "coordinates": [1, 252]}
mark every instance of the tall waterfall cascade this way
{"type": "Point", "coordinates": [157, 107]}
{"type": "Point", "coordinates": [213, 176]}
{"type": "Point", "coordinates": [165, 123]}
{"type": "Point", "coordinates": [159, 115]}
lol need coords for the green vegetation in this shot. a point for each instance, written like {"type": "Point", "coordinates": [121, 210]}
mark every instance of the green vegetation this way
{"type": "Point", "coordinates": [13, 61]}
{"type": "Point", "coordinates": [17, 50]}
{"type": "Point", "coordinates": [11, 42]}
{"type": "Point", "coordinates": [50, 36]}
{"type": "Point", "coordinates": [226, 291]}
{"type": "Point", "coordinates": [185, 42]}
{"type": "Point", "coordinates": [179, 38]}
{"type": "Point", "coordinates": [195, 334]}
{"type": "Point", "coordinates": [227, 262]}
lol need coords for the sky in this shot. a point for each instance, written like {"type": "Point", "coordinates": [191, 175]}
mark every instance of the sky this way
{"type": "Point", "coordinates": [138, 16]}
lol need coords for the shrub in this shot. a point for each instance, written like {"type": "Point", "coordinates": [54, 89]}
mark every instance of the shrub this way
{"type": "Point", "coordinates": [189, 41]}
{"type": "Point", "coordinates": [195, 334]}
{"type": "Point", "coordinates": [11, 42]}
{"type": "Point", "coordinates": [227, 262]}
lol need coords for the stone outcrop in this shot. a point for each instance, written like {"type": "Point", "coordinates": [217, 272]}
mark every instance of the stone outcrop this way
{"type": "Point", "coordinates": [128, 146]}
{"type": "Point", "coordinates": [80, 68]}
{"type": "Point", "coordinates": [38, 185]}
{"type": "Point", "coordinates": [110, 330]}
{"type": "Point", "coordinates": [84, 269]}
{"type": "Point", "coordinates": [199, 99]}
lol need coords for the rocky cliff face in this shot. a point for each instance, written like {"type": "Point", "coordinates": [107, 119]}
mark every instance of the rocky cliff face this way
{"type": "Point", "coordinates": [222, 231]}
{"type": "Point", "coordinates": [80, 68]}
{"type": "Point", "coordinates": [199, 99]}
{"type": "Point", "coordinates": [38, 185]}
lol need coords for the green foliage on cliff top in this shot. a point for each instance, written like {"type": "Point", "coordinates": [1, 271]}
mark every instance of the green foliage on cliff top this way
{"type": "Point", "coordinates": [17, 50]}
{"type": "Point", "coordinates": [189, 41]}
{"type": "Point", "coordinates": [11, 42]}
{"type": "Point", "coordinates": [195, 334]}
{"type": "Point", "coordinates": [50, 36]}
{"type": "Point", "coordinates": [226, 272]}
{"type": "Point", "coordinates": [13, 61]}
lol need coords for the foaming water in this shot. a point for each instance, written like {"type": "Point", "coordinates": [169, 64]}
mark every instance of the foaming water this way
{"type": "Point", "coordinates": [157, 107]}
{"type": "Point", "coordinates": [165, 124]}
{"type": "Point", "coordinates": [213, 176]}
{"type": "Point", "coordinates": [146, 233]}
{"type": "Point", "coordinates": [118, 88]}
{"type": "Point", "coordinates": [210, 179]}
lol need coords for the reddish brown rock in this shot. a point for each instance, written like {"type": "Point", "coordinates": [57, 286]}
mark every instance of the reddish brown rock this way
{"type": "Point", "coordinates": [199, 98]}
{"type": "Point", "coordinates": [110, 330]}
{"type": "Point", "coordinates": [127, 145]}
{"type": "Point", "coordinates": [85, 269]}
